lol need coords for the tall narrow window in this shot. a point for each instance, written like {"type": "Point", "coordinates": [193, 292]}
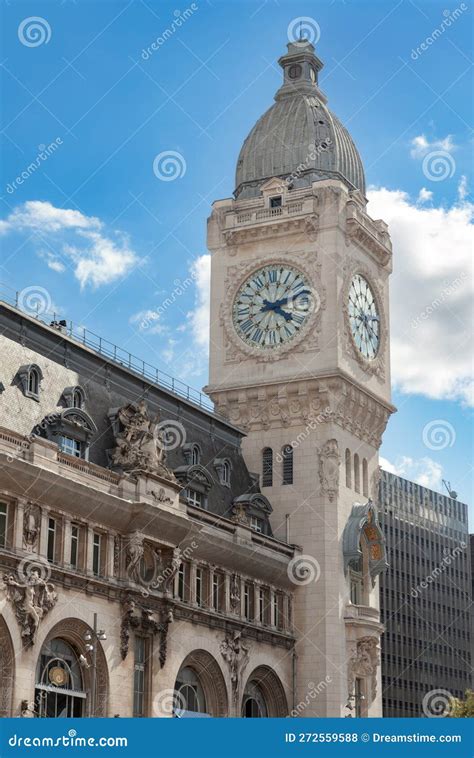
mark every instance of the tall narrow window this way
{"type": "Point", "coordinates": [261, 605]}
{"type": "Point", "coordinates": [365, 478]}
{"type": "Point", "coordinates": [74, 545]}
{"type": "Point", "coordinates": [226, 473]}
{"type": "Point", "coordinates": [181, 582]}
{"type": "Point", "coordinates": [196, 455]}
{"type": "Point", "coordinates": [140, 677]}
{"type": "Point", "coordinates": [287, 453]}
{"type": "Point", "coordinates": [247, 602]}
{"type": "Point", "coordinates": [358, 696]}
{"type": "Point", "coordinates": [3, 524]}
{"type": "Point", "coordinates": [356, 473]}
{"type": "Point", "coordinates": [348, 469]}
{"type": "Point", "coordinates": [33, 382]}
{"type": "Point", "coordinates": [267, 467]}
{"type": "Point", "coordinates": [77, 398]}
{"type": "Point", "coordinates": [51, 548]}
{"type": "Point", "coordinates": [275, 610]}
{"type": "Point", "coordinates": [96, 554]}
{"type": "Point", "coordinates": [215, 592]}
{"type": "Point", "coordinates": [199, 583]}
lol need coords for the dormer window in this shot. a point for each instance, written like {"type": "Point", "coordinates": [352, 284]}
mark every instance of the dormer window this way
{"type": "Point", "coordinates": [276, 201]}
{"type": "Point", "coordinates": [223, 468]}
{"type": "Point", "coordinates": [30, 377]}
{"type": "Point", "coordinates": [75, 397]}
{"type": "Point", "coordinates": [195, 455]}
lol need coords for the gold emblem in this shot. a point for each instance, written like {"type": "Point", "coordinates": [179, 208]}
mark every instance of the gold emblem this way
{"type": "Point", "coordinates": [57, 676]}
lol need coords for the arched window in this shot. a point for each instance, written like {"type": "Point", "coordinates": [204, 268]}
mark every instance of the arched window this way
{"type": "Point", "coordinates": [59, 690]}
{"type": "Point", "coordinates": [253, 704]}
{"type": "Point", "coordinates": [77, 398]}
{"type": "Point", "coordinates": [348, 469]}
{"type": "Point", "coordinates": [287, 454]}
{"type": "Point", "coordinates": [189, 693]}
{"type": "Point", "coordinates": [226, 473]}
{"type": "Point", "coordinates": [195, 455]}
{"type": "Point", "coordinates": [267, 467]}
{"type": "Point", "coordinates": [33, 382]}
{"type": "Point", "coordinates": [356, 473]}
{"type": "Point", "coordinates": [365, 478]}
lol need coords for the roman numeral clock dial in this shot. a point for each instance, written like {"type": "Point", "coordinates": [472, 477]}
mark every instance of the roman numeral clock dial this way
{"type": "Point", "coordinates": [272, 306]}
{"type": "Point", "coordinates": [364, 317]}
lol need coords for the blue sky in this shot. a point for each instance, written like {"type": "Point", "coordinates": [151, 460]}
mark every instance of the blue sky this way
{"type": "Point", "coordinates": [131, 238]}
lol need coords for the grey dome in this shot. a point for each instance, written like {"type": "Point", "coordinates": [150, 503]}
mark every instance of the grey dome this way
{"type": "Point", "coordinates": [298, 138]}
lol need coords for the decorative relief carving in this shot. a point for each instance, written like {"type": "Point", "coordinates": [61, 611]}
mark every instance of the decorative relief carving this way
{"type": "Point", "coordinates": [375, 483]}
{"type": "Point", "coordinates": [376, 365]}
{"type": "Point", "coordinates": [234, 592]}
{"type": "Point", "coordinates": [32, 597]}
{"type": "Point", "coordinates": [145, 621]}
{"type": "Point", "coordinates": [139, 444]}
{"type": "Point", "coordinates": [236, 654]}
{"type": "Point", "coordinates": [308, 336]}
{"type": "Point", "coordinates": [135, 551]}
{"type": "Point", "coordinates": [364, 662]}
{"type": "Point", "coordinates": [31, 525]}
{"type": "Point", "coordinates": [329, 462]}
{"type": "Point", "coordinates": [239, 514]}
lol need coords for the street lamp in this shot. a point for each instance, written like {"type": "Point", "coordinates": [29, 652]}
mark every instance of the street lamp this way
{"type": "Point", "coordinates": [91, 638]}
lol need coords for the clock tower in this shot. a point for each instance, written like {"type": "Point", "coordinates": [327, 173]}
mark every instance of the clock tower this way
{"type": "Point", "coordinates": [300, 360]}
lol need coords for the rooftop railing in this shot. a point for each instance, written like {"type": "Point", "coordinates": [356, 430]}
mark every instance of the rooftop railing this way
{"type": "Point", "coordinates": [35, 306]}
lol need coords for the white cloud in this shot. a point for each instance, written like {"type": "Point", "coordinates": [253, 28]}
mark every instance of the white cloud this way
{"type": "Point", "coordinates": [148, 321]}
{"type": "Point", "coordinates": [198, 318]}
{"type": "Point", "coordinates": [424, 195]}
{"type": "Point", "coordinates": [431, 295]}
{"type": "Point", "coordinates": [421, 145]}
{"type": "Point", "coordinates": [98, 259]}
{"type": "Point", "coordinates": [463, 190]}
{"type": "Point", "coordinates": [424, 471]}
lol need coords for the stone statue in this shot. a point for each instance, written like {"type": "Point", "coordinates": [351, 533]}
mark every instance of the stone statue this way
{"type": "Point", "coordinates": [31, 525]}
{"type": "Point", "coordinates": [234, 592]}
{"type": "Point", "coordinates": [32, 601]}
{"type": "Point", "coordinates": [364, 663]}
{"type": "Point", "coordinates": [135, 551]}
{"type": "Point", "coordinates": [236, 654]}
{"type": "Point", "coordinates": [139, 444]}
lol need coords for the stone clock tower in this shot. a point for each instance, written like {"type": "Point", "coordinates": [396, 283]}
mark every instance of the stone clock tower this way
{"type": "Point", "coordinates": [300, 360]}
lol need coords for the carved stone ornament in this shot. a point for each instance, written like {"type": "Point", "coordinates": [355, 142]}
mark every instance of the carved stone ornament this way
{"type": "Point", "coordinates": [31, 525]}
{"type": "Point", "coordinates": [329, 462]}
{"type": "Point", "coordinates": [376, 365]}
{"type": "Point", "coordinates": [307, 337]}
{"type": "Point", "coordinates": [364, 663]}
{"type": "Point", "coordinates": [146, 621]}
{"type": "Point", "coordinates": [236, 654]}
{"type": "Point", "coordinates": [135, 551]}
{"type": "Point", "coordinates": [139, 443]}
{"type": "Point", "coordinates": [32, 597]}
{"type": "Point", "coordinates": [160, 496]}
{"type": "Point", "coordinates": [234, 592]}
{"type": "Point", "coordinates": [375, 483]}
{"type": "Point", "coordinates": [239, 514]}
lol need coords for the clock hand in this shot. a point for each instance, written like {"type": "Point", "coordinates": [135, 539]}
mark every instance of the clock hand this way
{"type": "Point", "coordinates": [283, 301]}
{"type": "Point", "coordinates": [281, 312]}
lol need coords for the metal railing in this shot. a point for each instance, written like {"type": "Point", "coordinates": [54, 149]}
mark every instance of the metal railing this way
{"type": "Point", "coordinates": [36, 307]}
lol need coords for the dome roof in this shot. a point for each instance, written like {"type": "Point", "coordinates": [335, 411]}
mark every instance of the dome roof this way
{"type": "Point", "coordinates": [298, 138]}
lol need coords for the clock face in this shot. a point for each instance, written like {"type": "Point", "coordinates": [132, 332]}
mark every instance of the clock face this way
{"type": "Point", "coordinates": [363, 317]}
{"type": "Point", "coordinates": [272, 306]}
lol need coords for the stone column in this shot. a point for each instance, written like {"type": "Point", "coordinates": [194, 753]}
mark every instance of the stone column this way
{"type": "Point", "coordinates": [43, 536]}
{"type": "Point", "coordinates": [89, 549]}
{"type": "Point", "coordinates": [210, 598]}
{"type": "Point", "coordinates": [226, 608]}
{"type": "Point", "coordinates": [109, 556]}
{"type": "Point", "coordinates": [272, 607]}
{"type": "Point", "coordinates": [256, 602]}
{"type": "Point", "coordinates": [192, 582]}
